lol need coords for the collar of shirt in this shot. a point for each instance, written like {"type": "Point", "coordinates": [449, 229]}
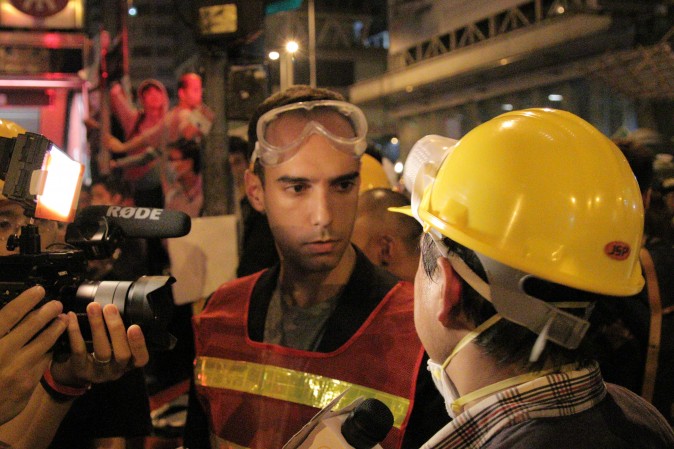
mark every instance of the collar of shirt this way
{"type": "Point", "coordinates": [557, 394]}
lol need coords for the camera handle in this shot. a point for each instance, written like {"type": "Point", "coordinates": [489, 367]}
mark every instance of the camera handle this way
{"type": "Point", "coordinates": [28, 241]}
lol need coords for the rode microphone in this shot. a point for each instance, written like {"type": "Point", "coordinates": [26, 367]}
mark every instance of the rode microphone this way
{"type": "Point", "coordinates": [363, 428]}
{"type": "Point", "coordinates": [138, 222]}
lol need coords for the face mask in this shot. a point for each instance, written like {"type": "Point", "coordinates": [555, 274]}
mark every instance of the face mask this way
{"type": "Point", "coordinates": [444, 385]}
{"type": "Point", "coordinates": [454, 403]}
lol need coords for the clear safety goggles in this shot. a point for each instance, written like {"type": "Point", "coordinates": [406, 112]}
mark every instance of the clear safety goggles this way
{"type": "Point", "coordinates": [281, 131]}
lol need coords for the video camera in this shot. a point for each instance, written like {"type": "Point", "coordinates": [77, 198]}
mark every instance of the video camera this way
{"type": "Point", "coordinates": [46, 183]}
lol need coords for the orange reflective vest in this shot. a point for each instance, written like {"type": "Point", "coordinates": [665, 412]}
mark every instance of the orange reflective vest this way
{"type": "Point", "coordinates": [258, 395]}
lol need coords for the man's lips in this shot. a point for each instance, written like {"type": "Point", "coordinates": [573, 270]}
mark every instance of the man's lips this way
{"type": "Point", "coordinates": [322, 246]}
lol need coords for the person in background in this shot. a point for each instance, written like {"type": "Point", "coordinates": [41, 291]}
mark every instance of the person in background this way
{"type": "Point", "coordinates": [388, 239]}
{"type": "Point", "coordinates": [257, 249]}
{"type": "Point", "coordinates": [533, 218]}
{"type": "Point", "coordinates": [190, 119]}
{"type": "Point", "coordinates": [238, 164]}
{"type": "Point", "coordinates": [666, 192]}
{"type": "Point", "coordinates": [649, 317]}
{"type": "Point", "coordinates": [130, 260]}
{"type": "Point", "coordinates": [181, 181]}
{"type": "Point", "coordinates": [154, 102]}
{"type": "Point", "coordinates": [324, 314]}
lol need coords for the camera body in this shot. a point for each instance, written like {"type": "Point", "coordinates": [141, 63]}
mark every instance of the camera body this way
{"type": "Point", "coordinates": [95, 233]}
{"type": "Point", "coordinates": [59, 272]}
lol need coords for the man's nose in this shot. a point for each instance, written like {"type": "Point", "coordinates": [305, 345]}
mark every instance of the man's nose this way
{"type": "Point", "coordinates": [322, 209]}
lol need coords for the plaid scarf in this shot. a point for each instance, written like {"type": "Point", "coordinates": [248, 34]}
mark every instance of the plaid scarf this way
{"type": "Point", "coordinates": [557, 394]}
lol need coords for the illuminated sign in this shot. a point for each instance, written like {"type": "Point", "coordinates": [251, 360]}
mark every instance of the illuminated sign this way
{"type": "Point", "coordinates": [39, 8]}
{"type": "Point", "coordinates": [42, 14]}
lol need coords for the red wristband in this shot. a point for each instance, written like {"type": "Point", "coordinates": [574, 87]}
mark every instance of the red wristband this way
{"type": "Point", "coordinates": [59, 392]}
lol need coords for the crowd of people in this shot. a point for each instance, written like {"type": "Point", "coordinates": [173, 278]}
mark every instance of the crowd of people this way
{"type": "Point", "coordinates": [520, 296]}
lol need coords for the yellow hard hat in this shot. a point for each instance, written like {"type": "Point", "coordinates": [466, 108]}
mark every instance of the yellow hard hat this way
{"type": "Point", "coordinates": [372, 174]}
{"type": "Point", "coordinates": [544, 192]}
{"type": "Point", "coordinates": [10, 129]}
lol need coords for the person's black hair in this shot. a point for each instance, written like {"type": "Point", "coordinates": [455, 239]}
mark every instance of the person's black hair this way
{"type": "Point", "coordinates": [115, 185]}
{"type": "Point", "coordinates": [506, 342]}
{"type": "Point", "coordinates": [237, 145]}
{"type": "Point", "coordinates": [640, 159]}
{"type": "Point", "coordinates": [374, 150]}
{"type": "Point", "coordinates": [190, 149]}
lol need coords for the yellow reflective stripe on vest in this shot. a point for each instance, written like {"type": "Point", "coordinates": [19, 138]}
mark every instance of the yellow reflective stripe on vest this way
{"type": "Point", "coordinates": [289, 385]}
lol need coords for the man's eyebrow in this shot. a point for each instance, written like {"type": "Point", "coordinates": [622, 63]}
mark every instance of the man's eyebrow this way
{"type": "Point", "coordinates": [299, 179]}
{"type": "Point", "coordinates": [292, 179]}
{"type": "Point", "coordinates": [344, 178]}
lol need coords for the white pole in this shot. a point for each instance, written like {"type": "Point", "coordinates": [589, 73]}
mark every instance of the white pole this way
{"type": "Point", "coordinates": [287, 74]}
{"type": "Point", "coordinates": [312, 44]}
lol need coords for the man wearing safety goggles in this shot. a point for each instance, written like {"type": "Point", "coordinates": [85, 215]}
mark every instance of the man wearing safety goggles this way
{"type": "Point", "coordinates": [275, 347]}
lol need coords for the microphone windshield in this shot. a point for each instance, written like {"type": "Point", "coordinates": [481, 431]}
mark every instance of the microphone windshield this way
{"type": "Point", "coordinates": [139, 222]}
{"type": "Point", "coordinates": [368, 424]}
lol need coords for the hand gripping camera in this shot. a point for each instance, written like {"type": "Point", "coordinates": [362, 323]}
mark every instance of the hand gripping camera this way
{"type": "Point", "coordinates": [46, 182]}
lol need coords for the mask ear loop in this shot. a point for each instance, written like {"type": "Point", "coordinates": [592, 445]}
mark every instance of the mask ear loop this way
{"type": "Point", "coordinates": [541, 340]}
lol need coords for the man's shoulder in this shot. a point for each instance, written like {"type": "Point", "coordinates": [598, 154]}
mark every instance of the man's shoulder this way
{"type": "Point", "coordinates": [621, 419]}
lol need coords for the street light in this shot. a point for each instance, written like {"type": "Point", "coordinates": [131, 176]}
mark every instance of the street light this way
{"type": "Point", "coordinates": [287, 67]}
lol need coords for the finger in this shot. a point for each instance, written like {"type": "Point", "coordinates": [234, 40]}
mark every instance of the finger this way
{"type": "Point", "coordinates": [99, 335]}
{"type": "Point", "coordinates": [120, 344]}
{"type": "Point", "coordinates": [33, 323]}
{"type": "Point", "coordinates": [43, 343]}
{"type": "Point", "coordinates": [137, 344]}
{"type": "Point", "coordinates": [17, 308]}
{"type": "Point", "coordinates": [74, 370]}
{"type": "Point", "coordinates": [78, 348]}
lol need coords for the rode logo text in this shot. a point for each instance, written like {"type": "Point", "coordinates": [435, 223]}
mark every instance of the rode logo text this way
{"type": "Point", "coordinates": [139, 213]}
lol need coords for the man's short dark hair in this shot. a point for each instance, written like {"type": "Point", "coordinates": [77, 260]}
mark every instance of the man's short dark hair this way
{"type": "Point", "coordinates": [294, 94]}
{"type": "Point", "coordinates": [507, 342]}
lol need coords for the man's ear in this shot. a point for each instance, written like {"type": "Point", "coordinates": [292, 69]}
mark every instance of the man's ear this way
{"type": "Point", "coordinates": [254, 190]}
{"type": "Point", "coordinates": [385, 249]}
{"type": "Point", "coordinates": [451, 290]}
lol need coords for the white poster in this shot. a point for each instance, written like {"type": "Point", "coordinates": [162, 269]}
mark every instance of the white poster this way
{"type": "Point", "coordinates": [204, 258]}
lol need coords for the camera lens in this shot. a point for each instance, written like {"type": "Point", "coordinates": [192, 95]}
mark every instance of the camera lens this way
{"type": "Point", "coordinates": [146, 302]}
